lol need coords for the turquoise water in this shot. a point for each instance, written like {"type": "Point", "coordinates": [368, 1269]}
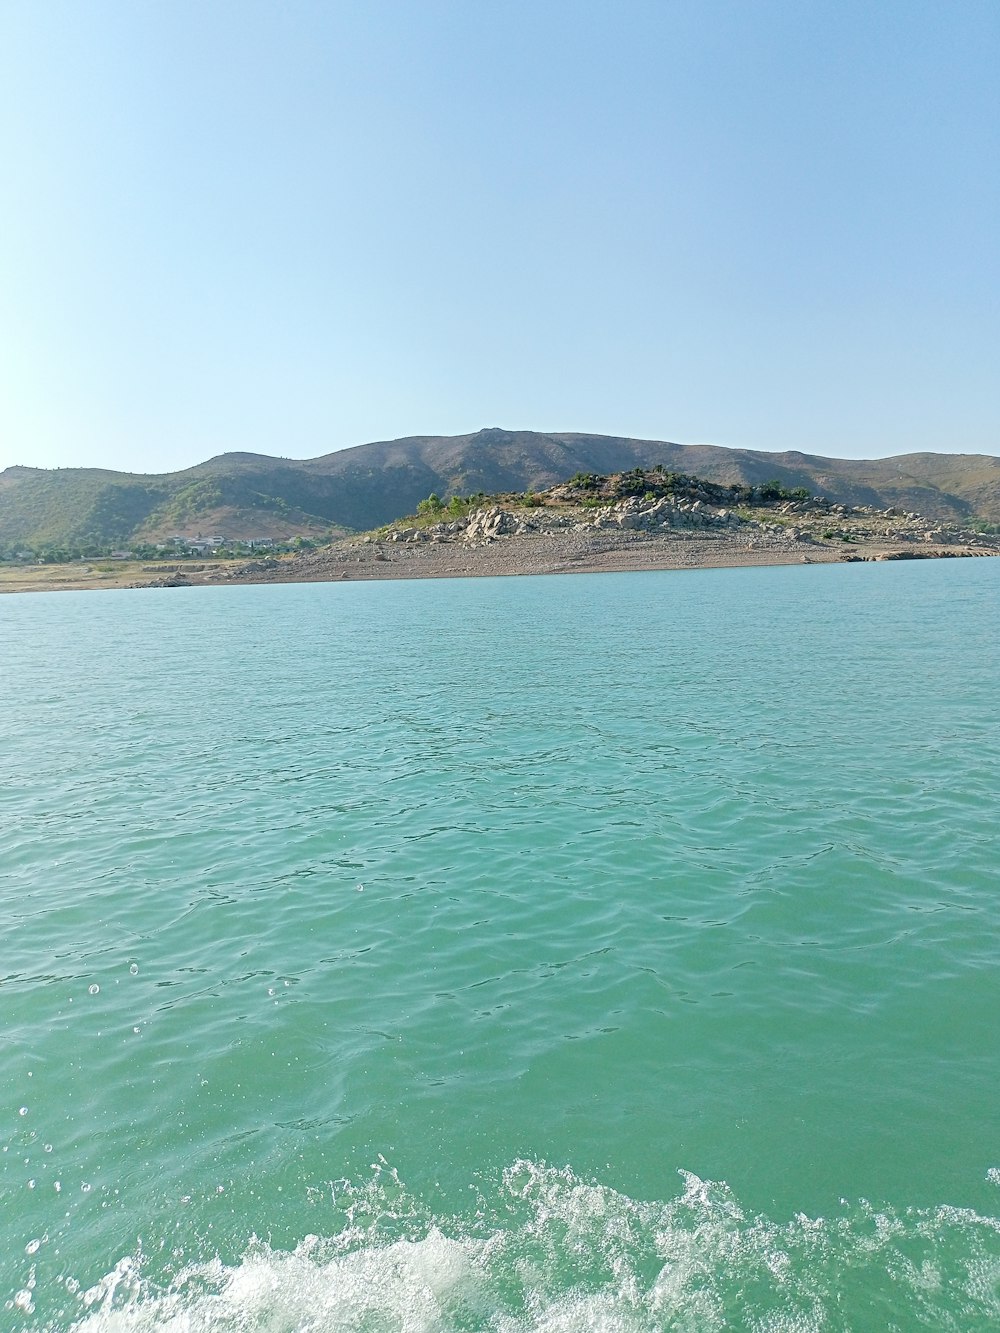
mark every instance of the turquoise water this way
{"type": "Point", "coordinates": [594, 952]}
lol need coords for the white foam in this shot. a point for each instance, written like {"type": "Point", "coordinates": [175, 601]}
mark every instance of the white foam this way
{"type": "Point", "coordinates": [560, 1255]}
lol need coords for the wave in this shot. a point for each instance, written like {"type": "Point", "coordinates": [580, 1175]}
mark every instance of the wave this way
{"type": "Point", "coordinates": [552, 1253]}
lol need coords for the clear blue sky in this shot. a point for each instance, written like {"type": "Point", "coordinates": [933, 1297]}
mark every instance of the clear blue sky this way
{"type": "Point", "coordinates": [296, 225]}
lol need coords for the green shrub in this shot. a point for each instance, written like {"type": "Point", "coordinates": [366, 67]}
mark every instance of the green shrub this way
{"type": "Point", "coordinates": [586, 481]}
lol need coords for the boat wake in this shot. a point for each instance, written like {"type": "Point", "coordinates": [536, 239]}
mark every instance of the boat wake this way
{"type": "Point", "coordinates": [554, 1253]}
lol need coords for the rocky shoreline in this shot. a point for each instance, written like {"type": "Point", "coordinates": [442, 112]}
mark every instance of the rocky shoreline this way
{"type": "Point", "coordinates": [634, 533]}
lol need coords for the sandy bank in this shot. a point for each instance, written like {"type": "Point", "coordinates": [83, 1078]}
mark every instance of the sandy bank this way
{"type": "Point", "coordinates": [565, 552]}
{"type": "Point", "coordinates": [571, 552]}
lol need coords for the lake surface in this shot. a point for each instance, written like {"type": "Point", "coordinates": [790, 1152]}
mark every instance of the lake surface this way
{"type": "Point", "coordinates": [593, 952]}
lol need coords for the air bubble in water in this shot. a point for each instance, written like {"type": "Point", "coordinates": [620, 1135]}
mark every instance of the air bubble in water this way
{"type": "Point", "coordinates": [134, 969]}
{"type": "Point", "coordinates": [359, 888]}
{"type": "Point", "coordinates": [94, 989]}
{"type": "Point", "coordinates": [23, 1110]}
{"type": "Point", "coordinates": [32, 1246]}
{"type": "Point", "coordinates": [85, 1188]}
{"type": "Point", "coordinates": [47, 1147]}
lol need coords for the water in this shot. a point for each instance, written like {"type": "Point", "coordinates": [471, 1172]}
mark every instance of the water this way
{"type": "Point", "coordinates": [594, 952]}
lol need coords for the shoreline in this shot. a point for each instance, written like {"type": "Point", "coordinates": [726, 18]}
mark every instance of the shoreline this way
{"type": "Point", "coordinates": [370, 560]}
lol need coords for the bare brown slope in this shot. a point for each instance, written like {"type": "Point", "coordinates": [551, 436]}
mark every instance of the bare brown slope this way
{"type": "Point", "coordinates": [388, 478]}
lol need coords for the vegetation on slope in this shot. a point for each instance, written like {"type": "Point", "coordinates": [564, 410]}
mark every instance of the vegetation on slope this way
{"type": "Point", "coordinates": [591, 490]}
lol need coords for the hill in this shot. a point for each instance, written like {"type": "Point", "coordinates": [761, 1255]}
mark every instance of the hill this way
{"type": "Point", "coordinates": [240, 495]}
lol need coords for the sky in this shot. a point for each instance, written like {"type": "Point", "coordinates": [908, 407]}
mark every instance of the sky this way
{"type": "Point", "coordinates": [293, 226]}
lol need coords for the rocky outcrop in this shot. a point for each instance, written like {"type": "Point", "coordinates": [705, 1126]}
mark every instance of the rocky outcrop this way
{"type": "Point", "coordinates": [172, 581]}
{"type": "Point", "coordinates": [666, 512]}
{"type": "Point", "coordinates": [631, 514]}
{"type": "Point", "coordinates": [815, 522]}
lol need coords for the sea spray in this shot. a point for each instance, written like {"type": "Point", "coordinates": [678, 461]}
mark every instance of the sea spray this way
{"type": "Point", "coordinates": [552, 1252]}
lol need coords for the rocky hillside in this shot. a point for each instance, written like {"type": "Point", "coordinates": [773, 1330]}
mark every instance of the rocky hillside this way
{"type": "Point", "coordinates": [627, 521]}
{"type": "Point", "coordinates": [659, 501]}
{"type": "Point", "coordinates": [249, 495]}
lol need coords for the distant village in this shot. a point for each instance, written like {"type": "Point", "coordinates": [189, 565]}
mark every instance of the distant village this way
{"type": "Point", "coordinates": [176, 547]}
{"type": "Point", "coordinates": [200, 545]}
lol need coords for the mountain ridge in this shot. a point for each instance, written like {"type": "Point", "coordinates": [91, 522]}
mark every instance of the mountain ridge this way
{"type": "Point", "coordinates": [244, 495]}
